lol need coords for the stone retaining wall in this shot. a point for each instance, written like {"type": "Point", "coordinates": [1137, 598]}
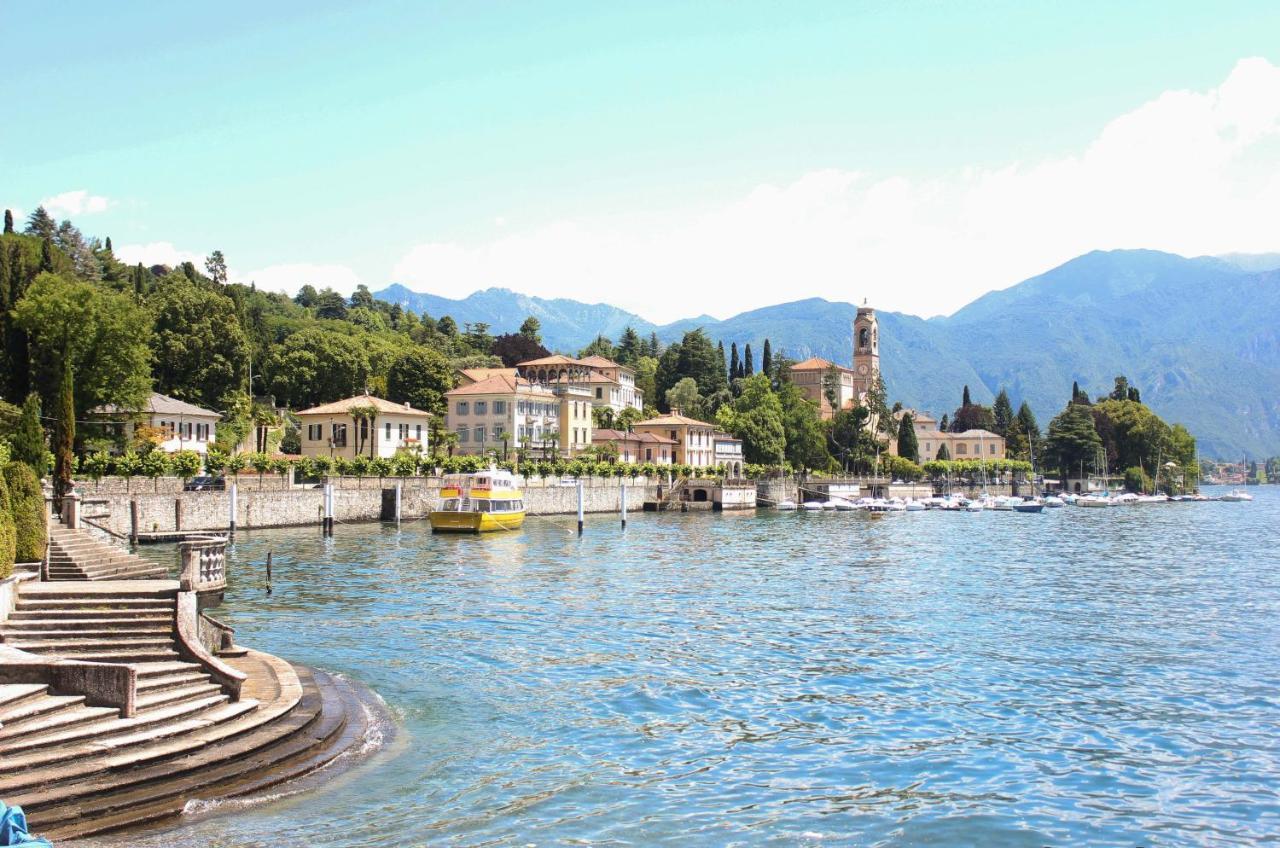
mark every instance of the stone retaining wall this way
{"type": "Point", "coordinates": [302, 506]}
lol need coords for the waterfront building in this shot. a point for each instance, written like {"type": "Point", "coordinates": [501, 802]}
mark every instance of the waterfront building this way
{"type": "Point", "coordinates": [971, 444]}
{"type": "Point", "coordinates": [636, 447]}
{"type": "Point", "coordinates": [613, 385]}
{"type": "Point", "coordinates": [179, 425]}
{"type": "Point", "coordinates": [569, 380]}
{"type": "Point", "coordinates": [501, 412]}
{"type": "Point", "coordinates": [694, 443]}
{"type": "Point", "coordinates": [467, 376]}
{"type": "Point", "coordinates": [727, 451]}
{"type": "Point", "coordinates": [363, 425]}
{"type": "Point", "coordinates": [810, 377]}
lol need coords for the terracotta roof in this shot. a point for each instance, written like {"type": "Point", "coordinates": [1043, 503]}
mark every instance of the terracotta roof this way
{"type": "Point", "coordinates": [597, 377]}
{"type": "Point", "coordinates": [813, 363]}
{"type": "Point", "coordinates": [916, 416]}
{"type": "Point", "coordinates": [599, 362]}
{"type": "Point", "coordinates": [655, 439]}
{"type": "Point", "coordinates": [343, 407]}
{"type": "Point", "coordinates": [671, 418]}
{"type": "Point", "coordinates": [554, 359]}
{"type": "Point", "coordinates": [604, 434]}
{"type": "Point", "coordinates": [974, 434]}
{"type": "Point", "coordinates": [158, 404]}
{"type": "Point", "coordinates": [475, 375]}
{"type": "Point", "coordinates": [499, 384]}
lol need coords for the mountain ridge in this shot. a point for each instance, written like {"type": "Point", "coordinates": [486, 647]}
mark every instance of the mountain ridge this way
{"type": "Point", "coordinates": [1210, 362]}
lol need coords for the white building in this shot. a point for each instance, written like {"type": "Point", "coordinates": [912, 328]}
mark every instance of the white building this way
{"type": "Point", "coordinates": [181, 425]}
{"type": "Point", "coordinates": [363, 425]}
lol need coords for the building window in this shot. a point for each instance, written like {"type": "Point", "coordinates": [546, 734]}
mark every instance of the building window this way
{"type": "Point", "coordinates": [339, 435]}
{"type": "Point", "coordinates": [388, 435]}
{"type": "Point", "coordinates": [993, 447]}
{"type": "Point", "coordinates": [599, 393]}
{"type": "Point", "coordinates": [499, 407]}
{"type": "Point", "coordinates": [462, 407]}
{"type": "Point", "coordinates": [464, 435]}
{"type": "Point", "coordinates": [479, 434]}
{"type": "Point", "coordinates": [961, 447]}
{"type": "Point", "coordinates": [481, 407]}
{"type": "Point", "coordinates": [419, 434]}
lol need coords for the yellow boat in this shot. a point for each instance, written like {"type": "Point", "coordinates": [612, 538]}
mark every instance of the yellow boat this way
{"type": "Point", "coordinates": [478, 503]}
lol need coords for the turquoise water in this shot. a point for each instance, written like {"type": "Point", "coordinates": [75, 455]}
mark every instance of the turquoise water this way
{"type": "Point", "coordinates": [1099, 677]}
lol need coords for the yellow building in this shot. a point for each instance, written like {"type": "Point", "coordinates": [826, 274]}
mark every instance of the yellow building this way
{"type": "Point", "coordinates": [694, 440]}
{"type": "Point", "coordinates": [971, 444]}
{"type": "Point", "coordinates": [502, 412]}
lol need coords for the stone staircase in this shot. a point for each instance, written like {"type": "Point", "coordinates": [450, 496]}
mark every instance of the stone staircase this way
{"type": "Point", "coordinates": [80, 769]}
{"type": "Point", "coordinates": [77, 555]}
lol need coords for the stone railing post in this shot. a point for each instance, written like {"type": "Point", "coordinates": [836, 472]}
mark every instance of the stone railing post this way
{"type": "Point", "coordinates": [71, 510]}
{"type": "Point", "coordinates": [202, 565]}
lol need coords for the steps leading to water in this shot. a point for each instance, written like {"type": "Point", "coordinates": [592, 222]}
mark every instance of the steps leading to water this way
{"type": "Point", "coordinates": [80, 769]}
{"type": "Point", "coordinates": [76, 555]}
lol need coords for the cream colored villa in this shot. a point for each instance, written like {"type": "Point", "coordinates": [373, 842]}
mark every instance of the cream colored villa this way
{"type": "Point", "coordinates": [363, 425]}
{"type": "Point", "coordinates": [613, 385]}
{"type": "Point", "coordinates": [181, 425]}
{"type": "Point", "coordinates": [636, 447]}
{"type": "Point", "coordinates": [694, 440]}
{"type": "Point", "coordinates": [971, 444]}
{"type": "Point", "coordinates": [501, 411]}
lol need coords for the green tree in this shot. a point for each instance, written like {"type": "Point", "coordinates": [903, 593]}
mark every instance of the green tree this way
{"type": "Point", "coordinates": [361, 298]}
{"type": "Point", "coordinates": [748, 361]}
{"type": "Point", "coordinates": [420, 377]}
{"type": "Point", "coordinates": [735, 365]}
{"type": "Point", "coordinates": [908, 447]}
{"type": "Point", "coordinates": [531, 329]}
{"type": "Point", "coordinates": [943, 454]}
{"type": "Point", "coordinates": [851, 436]}
{"type": "Point", "coordinates": [944, 423]}
{"type": "Point", "coordinates": [755, 416]}
{"type": "Point", "coordinates": [41, 225]}
{"type": "Point", "coordinates": [27, 504]}
{"type": "Point", "coordinates": [186, 464]}
{"type": "Point", "coordinates": [8, 533]}
{"type": "Point", "coordinates": [766, 360]}
{"type": "Point", "coordinates": [600, 346]}
{"type": "Point", "coordinates": [316, 366]}
{"type": "Point", "coordinates": [877, 403]}
{"type": "Point", "coordinates": [1002, 411]}
{"type": "Point", "coordinates": [201, 353]}
{"type": "Point", "coordinates": [102, 337]}
{"type": "Point", "coordinates": [684, 396]}
{"type": "Point", "coordinates": [1073, 440]}
{"type": "Point", "coordinates": [331, 305]}
{"type": "Point", "coordinates": [216, 267]}
{"type": "Point", "coordinates": [646, 379]}
{"type": "Point", "coordinates": [802, 425]}
{"type": "Point", "coordinates": [831, 386]}
{"type": "Point", "coordinates": [27, 441]}
{"type": "Point", "coordinates": [64, 434]}
{"type": "Point", "coordinates": [8, 222]}
{"type": "Point", "coordinates": [630, 347]}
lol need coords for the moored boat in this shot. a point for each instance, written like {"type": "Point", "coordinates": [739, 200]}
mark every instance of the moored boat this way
{"type": "Point", "coordinates": [1236, 496]}
{"type": "Point", "coordinates": [478, 503]}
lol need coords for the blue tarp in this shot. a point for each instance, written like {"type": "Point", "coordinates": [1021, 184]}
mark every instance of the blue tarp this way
{"type": "Point", "coordinates": [13, 829]}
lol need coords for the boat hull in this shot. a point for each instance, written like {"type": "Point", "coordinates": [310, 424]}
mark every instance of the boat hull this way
{"type": "Point", "coordinates": [475, 522]}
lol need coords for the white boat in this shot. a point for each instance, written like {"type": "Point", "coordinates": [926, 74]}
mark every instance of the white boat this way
{"type": "Point", "coordinates": [1032, 505]}
{"type": "Point", "coordinates": [828, 504]}
{"type": "Point", "coordinates": [916, 506]}
{"type": "Point", "coordinates": [812, 506]}
{"type": "Point", "coordinates": [975, 505]}
{"type": "Point", "coordinates": [1153, 499]}
{"type": "Point", "coordinates": [786, 506]}
{"type": "Point", "coordinates": [1054, 502]}
{"type": "Point", "coordinates": [843, 505]}
{"type": "Point", "coordinates": [1127, 499]}
{"type": "Point", "coordinates": [1236, 496]}
{"type": "Point", "coordinates": [1093, 501]}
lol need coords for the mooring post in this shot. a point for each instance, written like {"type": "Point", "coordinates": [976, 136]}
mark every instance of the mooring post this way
{"type": "Point", "coordinates": [398, 495]}
{"type": "Point", "coordinates": [579, 507]}
{"type": "Point", "coordinates": [328, 509]}
{"type": "Point", "coordinates": [133, 522]}
{"type": "Point", "coordinates": [177, 514]}
{"type": "Point", "coordinates": [231, 523]}
{"type": "Point", "coordinates": [268, 572]}
{"type": "Point", "coordinates": [624, 506]}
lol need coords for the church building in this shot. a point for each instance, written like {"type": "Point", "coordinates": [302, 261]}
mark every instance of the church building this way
{"type": "Point", "coordinates": [814, 376]}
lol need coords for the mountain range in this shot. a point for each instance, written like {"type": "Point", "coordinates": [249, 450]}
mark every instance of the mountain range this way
{"type": "Point", "coordinates": [1200, 337]}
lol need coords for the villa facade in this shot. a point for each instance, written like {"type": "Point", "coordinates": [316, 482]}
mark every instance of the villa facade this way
{"type": "Point", "coordinates": [180, 425]}
{"type": "Point", "coordinates": [694, 440]}
{"type": "Point", "coordinates": [970, 444]}
{"type": "Point", "coordinates": [363, 425]}
{"type": "Point", "coordinates": [501, 412]}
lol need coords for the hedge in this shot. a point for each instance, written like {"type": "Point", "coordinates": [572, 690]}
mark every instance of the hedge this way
{"type": "Point", "coordinates": [8, 546]}
{"type": "Point", "coordinates": [27, 507]}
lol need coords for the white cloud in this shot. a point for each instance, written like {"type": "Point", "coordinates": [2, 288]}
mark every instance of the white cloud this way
{"type": "Point", "coordinates": [158, 253]}
{"type": "Point", "coordinates": [1188, 172]}
{"type": "Point", "coordinates": [70, 204]}
{"type": "Point", "coordinates": [290, 278]}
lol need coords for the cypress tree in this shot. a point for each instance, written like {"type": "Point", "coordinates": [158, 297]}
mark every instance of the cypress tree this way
{"type": "Point", "coordinates": [943, 453]}
{"type": "Point", "coordinates": [1075, 391]}
{"type": "Point", "coordinates": [966, 401]}
{"type": "Point", "coordinates": [748, 362]}
{"type": "Point", "coordinates": [943, 425]}
{"type": "Point", "coordinates": [766, 360]}
{"type": "Point", "coordinates": [109, 250]}
{"type": "Point", "coordinates": [1003, 411]}
{"type": "Point", "coordinates": [65, 432]}
{"type": "Point", "coordinates": [735, 365]}
{"type": "Point", "coordinates": [720, 350]}
{"type": "Point", "coordinates": [46, 256]}
{"type": "Point", "coordinates": [908, 447]}
{"type": "Point", "coordinates": [8, 221]}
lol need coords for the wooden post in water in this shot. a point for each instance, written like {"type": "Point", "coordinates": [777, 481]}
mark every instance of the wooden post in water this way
{"type": "Point", "coordinates": [133, 522]}
{"type": "Point", "coordinates": [231, 523]}
{"type": "Point", "coordinates": [398, 501]}
{"type": "Point", "coordinates": [579, 507]}
{"type": "Point", "coordinates": [177, 514]}
{"type": "Point", "coordinates": [268, 572]}
{"type": "Point", "coordinates": [624, 506]}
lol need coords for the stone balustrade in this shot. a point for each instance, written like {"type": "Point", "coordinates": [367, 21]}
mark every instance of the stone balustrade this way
{"type": "Point", "coordinates": [202, 565]}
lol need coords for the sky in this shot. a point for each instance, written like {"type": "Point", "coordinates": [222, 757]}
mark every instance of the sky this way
{"type": "Point", "coordinates": [673, 159]}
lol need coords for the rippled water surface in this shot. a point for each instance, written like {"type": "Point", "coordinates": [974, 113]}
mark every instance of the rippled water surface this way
{"type": "Point", "coordinates": [1099, 677]}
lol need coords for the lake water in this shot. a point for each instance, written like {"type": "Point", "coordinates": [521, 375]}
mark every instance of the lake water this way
{"type": "Point", "coordinates": [1099, 677]}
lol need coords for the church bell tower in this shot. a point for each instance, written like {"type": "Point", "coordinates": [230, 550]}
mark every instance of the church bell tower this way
{"type": "Point", "coordinates": [866, 349]}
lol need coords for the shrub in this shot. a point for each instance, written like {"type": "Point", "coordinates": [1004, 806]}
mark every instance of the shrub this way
{"type": "Point", "coordinates": [27, 506]}
{"type": "Point", "coordinates": [8, 538]}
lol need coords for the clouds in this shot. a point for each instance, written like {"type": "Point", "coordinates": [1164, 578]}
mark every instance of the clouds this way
{"type": "Point", "coordinates": [71, 204]}
{"type": "Point", "coordinates": [1189, 172]}
{"type": "Point", "coordinates": [291, 277]}
{"type": "Point", "coordinates": [158, 253]}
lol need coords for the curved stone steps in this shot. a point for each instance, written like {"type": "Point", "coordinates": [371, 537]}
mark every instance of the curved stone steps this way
{"type": "Point", "coordinates": [16, 693]}
{"type": "Point", "coordinates": [262, 753]}
{"type": "Point", "coordinates": [72, 715]}
{"type": "Point", "coordinates": [76, 555]}
{"type": "Point", "coordinates": [29, 710]}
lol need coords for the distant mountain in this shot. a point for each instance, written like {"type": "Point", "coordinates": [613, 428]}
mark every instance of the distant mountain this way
{"type": "Point", "coordinates": [1252, 261]}
{"type": "Point", "coordinates": [566, 324]}
{"type": "Point", "coordinates": [1199, 337]}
